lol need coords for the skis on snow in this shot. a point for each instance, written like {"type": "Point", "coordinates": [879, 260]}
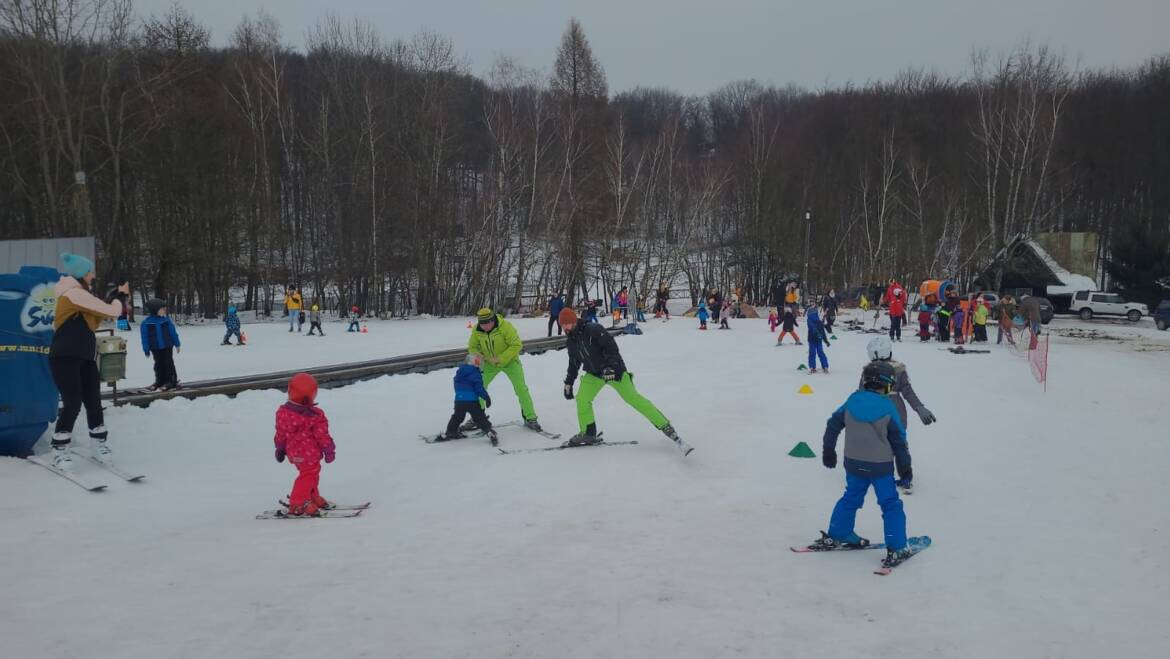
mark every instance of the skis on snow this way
{"type": "Point", "coordinates": [915, 545]}
{"type": "Point", "coordinates": [543, 433]}
{"type": "Point", "coordinates": [81, 480]}
{"type": "Point", "coordinates": [563, 446]}
{"type": "Point", "coordinates": [336, 510]}
{"type": "Point", "coordinates": [130, 477]}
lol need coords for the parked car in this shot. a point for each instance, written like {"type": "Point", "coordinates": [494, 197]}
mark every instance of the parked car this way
{"type": "Point", "coordinates": [1090, 303]}
{"type": "Point", "coordinates": [1047, 311]}
{"type": "Point", "coordinates": [1162, 315]}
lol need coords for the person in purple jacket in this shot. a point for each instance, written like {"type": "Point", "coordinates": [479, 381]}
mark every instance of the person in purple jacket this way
{"type": "Point", "coordinates": [469, 390]}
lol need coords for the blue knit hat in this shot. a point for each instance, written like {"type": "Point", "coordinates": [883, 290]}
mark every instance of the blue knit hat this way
{"type": "Point", "coordinates": [76, 266]}
{"type": "Point", "coordinates": [231, 309]}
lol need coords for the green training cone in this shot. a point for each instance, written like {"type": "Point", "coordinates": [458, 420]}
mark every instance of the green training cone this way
{"type": "Point", "coordinates": [802, 367]}
{"type": "Point", "coordinates": [833, 337]}
{"type": "Point", "coordinates": [801, 450]}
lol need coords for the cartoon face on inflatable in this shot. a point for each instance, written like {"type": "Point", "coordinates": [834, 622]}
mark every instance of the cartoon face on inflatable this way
{"type": "Point", "coordinates": [37, 315]}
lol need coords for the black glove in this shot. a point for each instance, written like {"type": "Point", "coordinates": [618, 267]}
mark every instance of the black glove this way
{"type": "Point", "coordinates": [568, 391]}
{"type": "Point", "coordinates": [926, 416]}
{"type": "Point", "coordinates": [905, 475]}
{"type": "Point", "coordinates": [608, 375]}
{"type": "Point", "coordinates": [829, 458]}
{"type": "Point", "coordinates": [487, 401]}
{"type": "Point", "coordinates": [279, 454]}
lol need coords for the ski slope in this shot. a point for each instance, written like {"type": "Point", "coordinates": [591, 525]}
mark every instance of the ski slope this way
{"type": "Point", "coordinates": [1051, 530]}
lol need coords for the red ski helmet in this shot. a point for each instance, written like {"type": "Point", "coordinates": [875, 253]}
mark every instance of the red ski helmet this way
{"type": "Point", "coordinates": [302, 388]}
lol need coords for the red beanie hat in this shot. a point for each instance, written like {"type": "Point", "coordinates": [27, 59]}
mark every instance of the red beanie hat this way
{"type": "Point", "coordinates": [567, 317]}
{"type": "Point", "coordinates": [302, 388]}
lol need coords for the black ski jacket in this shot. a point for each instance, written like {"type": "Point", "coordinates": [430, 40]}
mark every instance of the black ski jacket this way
{"type": "Point", "coordinates": [593, 348]}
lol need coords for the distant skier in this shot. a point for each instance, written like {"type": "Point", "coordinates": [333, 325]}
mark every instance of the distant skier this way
{"type": "Point", "coordinates": [315, 321]}
{"type": "Point", "coordinates": [875, 441]}
{"type": "Point", "coordinates": [788, 326]}
{"type": "Point", "coordinates": [725, 314]}
{"type": "Point", "coordinates": [354, 319]}
{"type": "Point", "coordinates": [957, 319]}
{"type": "Point", "coordinates": [292, 302]}
{"type": "Point", "coordinates": [302, 434]}
{"type": "Point", "coordinates": [702, 315]}
{"type": "Point", "coordinates": [773, 320]}
{"type": "Point", "coordinates": [555, 304]}
{"type": "Point", "coordinates": [896, 302]}
{"type": "Point", "coordinates": [660, 301]}
{"type": "Point", "coordinates": [469, 390]}
{"type": "Point", "coordinates": [979, 321]}
{"type": "Point", "coordinates": [925, 315]}
{"type": "Point", "coordinates": [592, 348]}
{"type": "Point", "coordinates": [499, 343]}
{"type": "Point", "coordinates": [1005, 315]}
{"type": "Point", "coordinates": [160, 339]}
{"type": "Point", "coordinates": [830, 304]}
{"type": "Point", "coordinates": [817, 340]}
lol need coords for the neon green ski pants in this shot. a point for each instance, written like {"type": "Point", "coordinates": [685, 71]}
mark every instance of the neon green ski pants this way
{"type": "Point", "coordinates": [591, 385]}
{"type": "Point", "coordinates": [515, 373]}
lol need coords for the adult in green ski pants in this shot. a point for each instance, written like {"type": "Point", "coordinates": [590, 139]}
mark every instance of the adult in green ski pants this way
{"type": "Point", "coordinates": [593, 349]}
{"type": "Point", "coordinates": [499, 343]}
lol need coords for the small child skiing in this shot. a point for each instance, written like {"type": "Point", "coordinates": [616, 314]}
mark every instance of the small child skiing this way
{"type": "Point", "coordinates": [315, 321]}
{"type": "Point", "coordinates": [773, 321]}
{"type": "Point", "coordinates": [724, 315]}
{"type": "Point", "coordinates": [302, 434]}
{"type": "Point", "coordinates": [702, 314]}
{"type": "Point", "coordinates": [232, 323]}
{"type": "Point", "coordinates": [925, 314]}
{"type": "Point", "coordinates": [789, 326]}
{"type": "Point", "coordinates": [816, 337]}
{"type": "Point", "coordinates": [354, 319]}
{"type": "Point", "coordinates": [469, 390]}
{"type": "Point", "coordinates": [957, 324]}
{"type": "Point", "coordinates": [160, 339]}
{"type": "Point", "coordinates": [875, 443]}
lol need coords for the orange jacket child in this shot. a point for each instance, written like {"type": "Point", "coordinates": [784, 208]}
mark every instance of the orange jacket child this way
{"type": "Point", "coordinates": [302, 434]}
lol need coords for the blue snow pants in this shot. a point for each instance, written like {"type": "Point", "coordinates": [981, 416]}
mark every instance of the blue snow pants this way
{"type": "Point", "coordinates": [893, 517]}
{"type": "Point", "coordinates": [816, 348]}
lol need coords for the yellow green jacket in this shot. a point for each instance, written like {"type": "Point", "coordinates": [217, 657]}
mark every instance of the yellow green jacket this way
{"type": "Point", "coordinates": [503, 342]}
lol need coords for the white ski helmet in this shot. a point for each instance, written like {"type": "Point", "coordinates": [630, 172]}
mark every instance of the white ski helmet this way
{"type": "Point", "coordinates": [880, 348]}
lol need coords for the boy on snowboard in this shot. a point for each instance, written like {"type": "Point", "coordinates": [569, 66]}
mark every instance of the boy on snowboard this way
{"type": "Point", "coordinates": [469, 390]}
{"type": "Point", "coordinates": [302, 435]}
{"type": "Point", "coordinates": [875, 441]}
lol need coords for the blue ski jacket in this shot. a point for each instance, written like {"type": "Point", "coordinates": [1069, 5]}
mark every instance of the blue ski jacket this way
{"type": "Point", "coordinates": [875, 438]}
{"type": "Point", "coordinates": [816, 329]}
{"type": "Point", "coordinates": [469, 384]}
{"type": "Point", "coordinates": [158, 333]}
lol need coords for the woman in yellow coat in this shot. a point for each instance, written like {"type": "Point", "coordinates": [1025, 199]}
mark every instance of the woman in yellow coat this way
{"type": "Point", "coordinates": [292, 302]}
{"type": "Point", "coordinates": [499, 343]}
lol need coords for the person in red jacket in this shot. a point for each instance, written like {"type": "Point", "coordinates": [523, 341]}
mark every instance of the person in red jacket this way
{"type": "Point", "coordinates": [302, 434]}
{"type": "Point", "coordinates": [895, 299]}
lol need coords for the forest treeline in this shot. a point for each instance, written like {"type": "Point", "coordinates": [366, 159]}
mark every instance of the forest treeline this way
{"type": "Point", "coordinates": [386, 174]}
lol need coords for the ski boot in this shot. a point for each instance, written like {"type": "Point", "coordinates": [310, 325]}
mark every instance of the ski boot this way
{"type": "Point", "coordinates": [812, 370]}
{"type": "Point", "coordinates": [226, 343]}
{"type": "Point", "coordinates": [533, 424]}
{"type": "Point", "coordinates": [469, 425]}
{"type": "Point", "coordinates": [668, 430]}
{"type": "Point", "coordinates": [896, 557]}
{"type": "Point", "coordinates": [583, 439]}
{"type": "Point", "coordinates": [61, 457]}
{"type": "Point", "coordinates": [101, 450]}
{"type": "Point", "coordinates": [493, 437]}
{"type": "Point", "coordinates": [827, 542]}
{"type": "Point", "coordinates": [446, 436]}
{"type": "Point", "coordinates": [306, 509]}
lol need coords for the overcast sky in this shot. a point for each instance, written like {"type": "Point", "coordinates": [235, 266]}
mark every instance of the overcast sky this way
{"type": "Point", "coordinates": [696, 46]}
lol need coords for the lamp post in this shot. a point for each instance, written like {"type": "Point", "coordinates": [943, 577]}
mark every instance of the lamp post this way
{"type": "Point", "coordinates": [807, 235]}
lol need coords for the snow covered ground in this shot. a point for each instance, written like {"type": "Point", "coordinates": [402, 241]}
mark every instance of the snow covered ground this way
{"type": "Point", "coordinates": [1050, 523]}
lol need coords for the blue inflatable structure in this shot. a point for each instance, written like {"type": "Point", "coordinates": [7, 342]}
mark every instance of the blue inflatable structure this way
{"type": "Point", "coordinates": [28, 397]}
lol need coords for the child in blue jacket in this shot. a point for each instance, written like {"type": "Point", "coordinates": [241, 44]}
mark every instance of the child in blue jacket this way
{"type": "Point", "coordinates": [875, 441]}
{"type": "Point", "coordinates": [160, 338]}
{"type": "Point", "coordinates": [703, 315]}
{"type": "Point", "coordinates": [817, 340]}
{"type": "Point", "coordinates": [232, 323]}
{"type": "Point", "coordinates": [469, 390]}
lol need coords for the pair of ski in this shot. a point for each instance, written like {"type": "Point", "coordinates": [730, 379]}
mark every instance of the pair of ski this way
{"type": "Point", "coordinates": [334, 511]}
{"type": "Point", "coordinates": [682, 446]}
{"type": "Point", "coordinates": [960, 350]}
{"type": "Point", "coordinates": [83, 480]}
{"type": "Point", "coordinates": [434, 439]}
{"type": "Point", "coordinates": [916, 545]}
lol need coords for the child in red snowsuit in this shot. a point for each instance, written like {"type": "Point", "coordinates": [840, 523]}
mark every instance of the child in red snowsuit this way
{"type": "Point", "coordinates": [302, 434]}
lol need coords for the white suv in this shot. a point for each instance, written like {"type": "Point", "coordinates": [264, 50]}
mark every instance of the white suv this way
{"type": "Point", "coordinates": [1088, 303]}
